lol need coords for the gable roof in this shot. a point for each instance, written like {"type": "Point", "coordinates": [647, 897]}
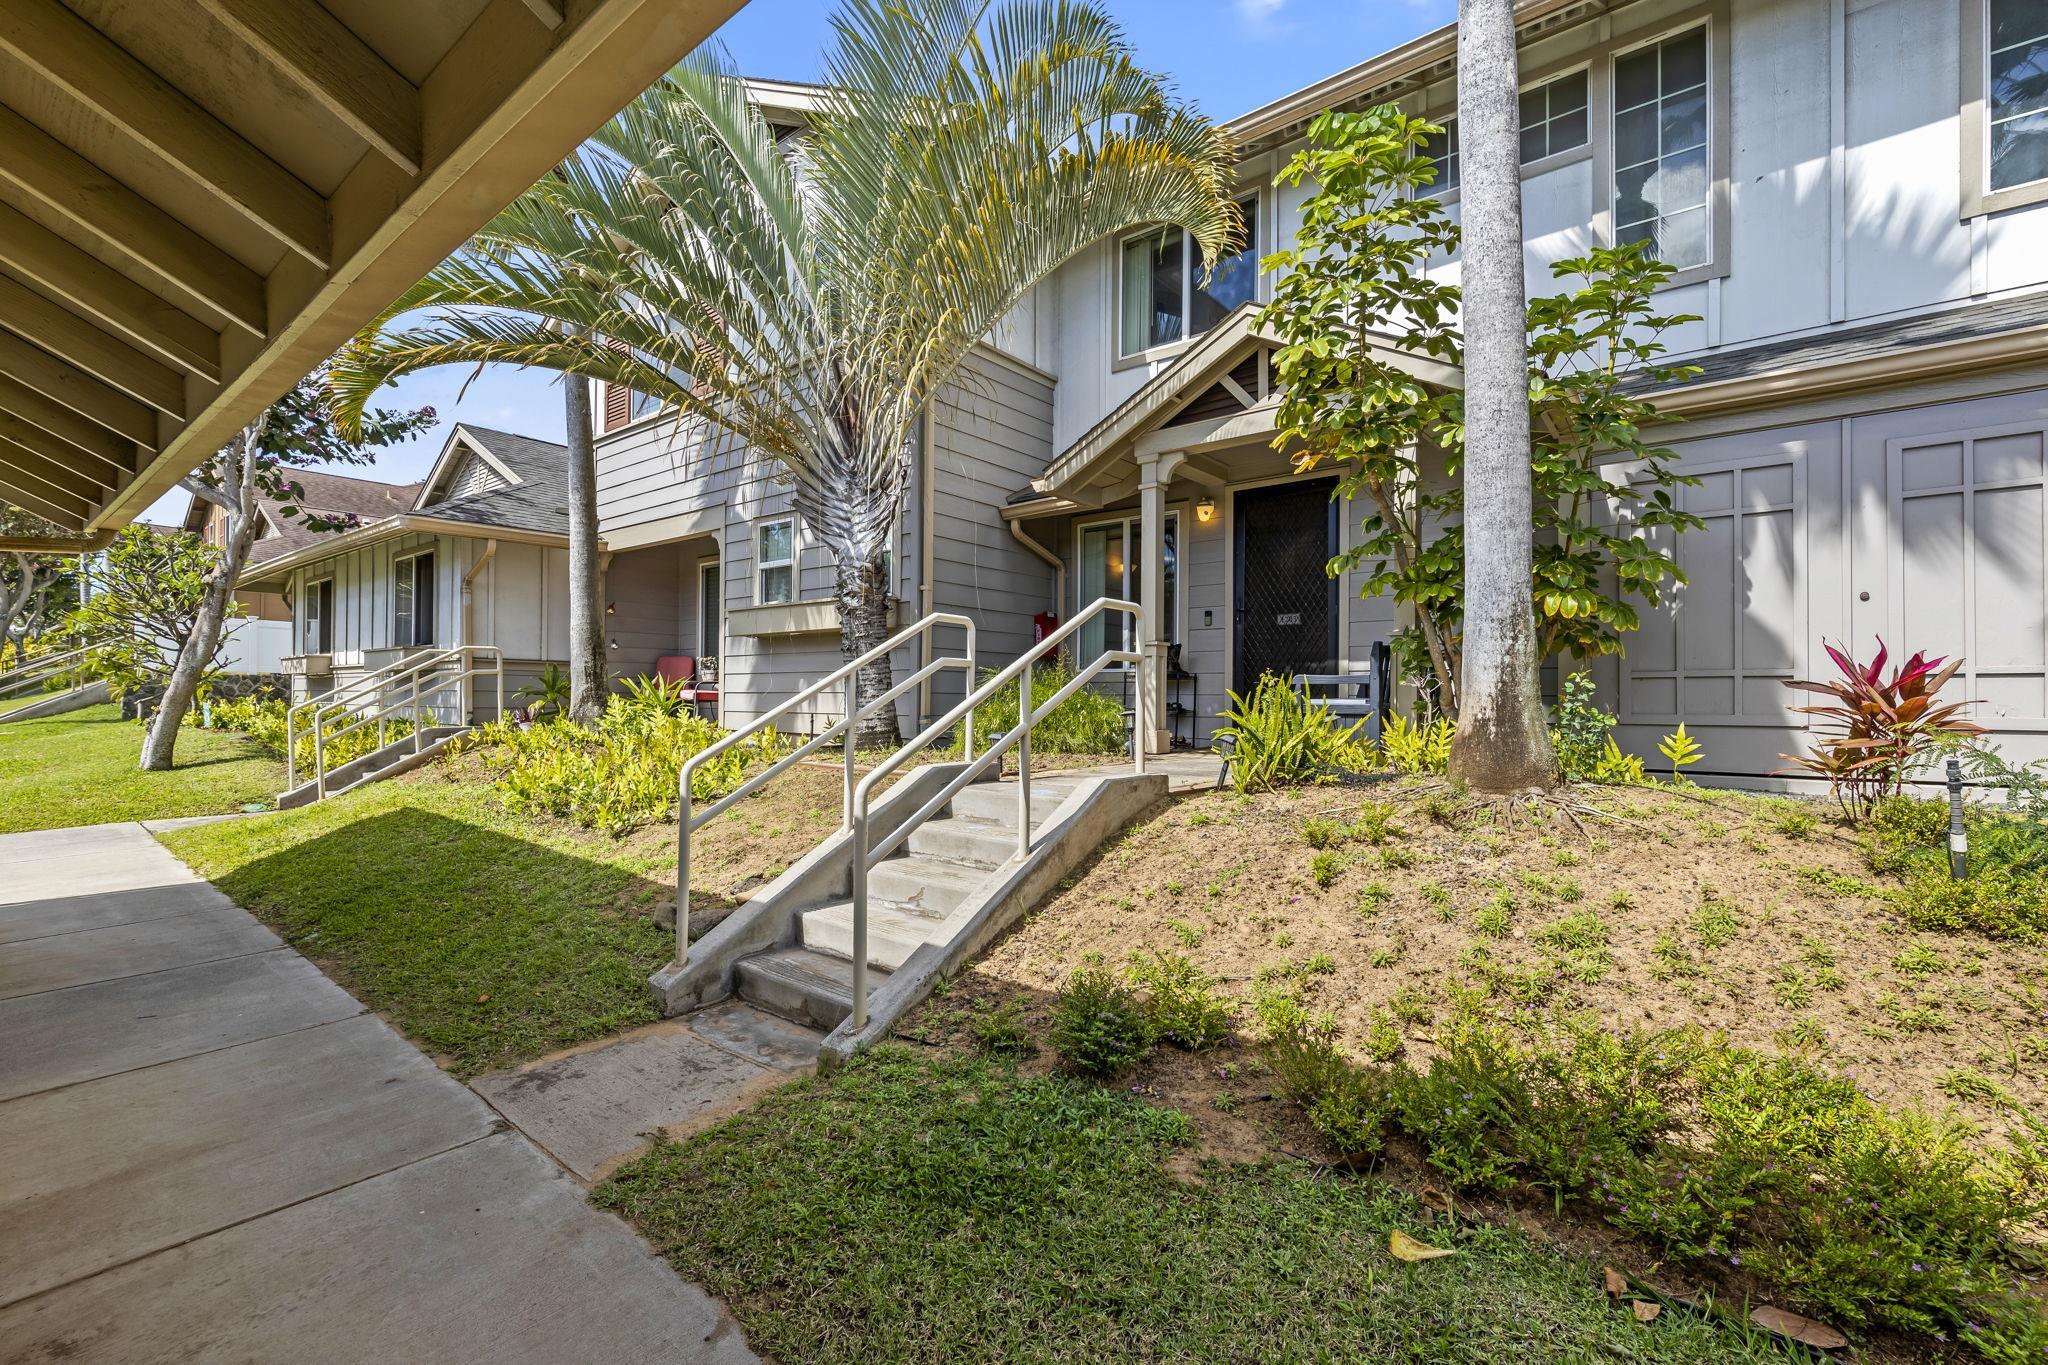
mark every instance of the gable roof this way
{"type": "Point", "coordinates": [334, 495]}
{"type": "Point", "coordinates": [536, 498]}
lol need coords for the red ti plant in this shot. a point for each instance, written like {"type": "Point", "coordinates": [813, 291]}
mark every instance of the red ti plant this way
{"type": "Point", "coordinates": [1885, 725]}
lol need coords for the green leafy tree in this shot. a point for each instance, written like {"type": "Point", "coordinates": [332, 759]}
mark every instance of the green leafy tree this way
{"type": "Point", "coordinates": [1355, 301]}
{"type": "Point", "coordinates": [143, 601]}
{"type": "Point", "coordinates": [37, 587]}
{"type": "Point", "coordinates": [805, 297]}
{"type": "Point", "coordinates": [292, 433]}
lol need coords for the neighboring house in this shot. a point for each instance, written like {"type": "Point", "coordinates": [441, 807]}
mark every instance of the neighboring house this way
{"type": "Point", "coordinates": [1856, 196]}
{"type": "Point", "coordinates": [477, 554]}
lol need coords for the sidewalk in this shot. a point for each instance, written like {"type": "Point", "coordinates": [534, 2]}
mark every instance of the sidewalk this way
{"type": "Point", "coordinates": [214, 1153]}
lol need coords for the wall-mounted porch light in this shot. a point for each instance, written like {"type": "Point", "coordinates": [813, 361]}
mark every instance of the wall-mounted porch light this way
{"type": "Point", "coordinates": [1205, 510]}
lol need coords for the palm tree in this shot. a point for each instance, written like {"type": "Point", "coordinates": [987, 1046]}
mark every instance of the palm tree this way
{"type": "Point", "coordinates": [807, 296]}
{"type": "Point", "coordinates": [1502, 743]}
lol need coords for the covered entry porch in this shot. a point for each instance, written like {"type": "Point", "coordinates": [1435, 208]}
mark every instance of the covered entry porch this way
{"type": "Point", "coordinates": [1179, 498]}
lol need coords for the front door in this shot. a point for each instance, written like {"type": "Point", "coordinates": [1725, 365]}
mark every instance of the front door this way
{"type": "Point", "coordinates": [1286, 611]}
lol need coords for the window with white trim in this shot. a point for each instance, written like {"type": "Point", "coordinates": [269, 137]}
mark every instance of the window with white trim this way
{"type": "Point", "coordinates": [1440, 149]}
{"type": "Point", "coordinates": [775, 562]}
{"type": "Point", "coordinates": [1161, 295]}
{"type": "Point", "coordinates": [2016, 92]}
{"type": "Point", "coordinates": [413, 601]}
{"type": "Point", "coordinates": [1111, 559]}
{"type": "Point", "coordinates": [1554, 117]}
{"type": "Point", "coordinates": [316, 609]}
{"type": "Point", "coordinates": [1662, 177]}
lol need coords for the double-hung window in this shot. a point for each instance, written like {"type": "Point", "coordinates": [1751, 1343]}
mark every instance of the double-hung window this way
{"type": "Point", "coordinates": [413, 599]}
{"type": "Point", "coordinates": [1662, 175]}
{"type": "Point", "coordinates": [775, 562]}
{"type": "Point", "coordinates": [1111, 559]}
{"type": "Point", "coordinates": [2016, 103]}
{"type": "Point", "coordinates": [1162, 297]}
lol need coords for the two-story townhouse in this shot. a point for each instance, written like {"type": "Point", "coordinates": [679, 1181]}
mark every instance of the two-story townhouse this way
{"type": "Point", "coordinates": [1853, 192]}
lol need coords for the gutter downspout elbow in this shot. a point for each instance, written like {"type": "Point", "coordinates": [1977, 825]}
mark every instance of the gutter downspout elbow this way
{"type": "Point", "coordinates": [1059, 568]}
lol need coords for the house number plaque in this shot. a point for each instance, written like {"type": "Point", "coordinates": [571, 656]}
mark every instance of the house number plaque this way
{"type": "Point", "coordinates": [1287, 618]}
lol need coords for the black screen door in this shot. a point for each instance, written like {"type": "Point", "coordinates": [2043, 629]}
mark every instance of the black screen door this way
{"type": "Point", "coordinates": [1286, 599]}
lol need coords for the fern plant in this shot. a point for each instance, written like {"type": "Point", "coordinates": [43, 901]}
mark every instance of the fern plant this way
{"type": "Point", "coordinates": [1417, 748]}
{"type": "Point", "coordinates": [1278, 738]}
{"type": "Point", "coordinates": [1680, 750]}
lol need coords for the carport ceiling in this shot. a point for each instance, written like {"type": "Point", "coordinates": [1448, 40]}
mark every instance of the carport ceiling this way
{"type": "Point", "coordinates": [201, 199]}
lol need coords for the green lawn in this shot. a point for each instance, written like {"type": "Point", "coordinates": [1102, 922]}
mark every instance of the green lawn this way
{"type": "Point", "coordinates": [487, 937]}
{"type": "Point", "coordinates": [919, 1207]}
{"type": "Point", "coordinates": [79, 769]}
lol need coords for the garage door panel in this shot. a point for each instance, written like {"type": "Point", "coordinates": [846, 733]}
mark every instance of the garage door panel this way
{"type": "Point", "coordinates": [1771, 587]}
{"type": "Point", "coordinates": [2008, 459]}
{"type": "Point", "coordinates": [2007, 524]}
{"type": "Point", "coordinates": [1931, 593]}
{"type": "Point", "coordinates": [1706, 607]}
{"type": "Point", "coordinates": [2012, 694]}
{"type": "Point", "coordinates": [1937, 465]}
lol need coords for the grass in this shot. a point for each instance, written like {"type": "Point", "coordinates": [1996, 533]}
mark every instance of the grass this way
{"type": "Point", "coordinates": [487, 937]}
{"type": "Point", "coordinates": [934, 1208]}
{"type": "Point", "coordinates": [80, 769]}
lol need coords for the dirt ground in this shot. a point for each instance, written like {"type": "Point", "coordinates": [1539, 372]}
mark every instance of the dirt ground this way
{"type": "Point", "coordinates": [1751, 916]}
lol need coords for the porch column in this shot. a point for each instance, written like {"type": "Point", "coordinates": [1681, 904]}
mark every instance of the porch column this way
{"type": "Point", "coordinates": [1155, 472]}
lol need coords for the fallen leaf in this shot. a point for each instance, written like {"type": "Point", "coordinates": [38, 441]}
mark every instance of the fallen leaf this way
{"type": "Point", "coordinates": [1804, 1330]}
{"type": "Point", "coordinates": [1406, 1248]}
{"type": "Point", "coordinates": [1434, 1198]}
{"type": "Point", "coordinates": [483, 998]}
{"type": "Point", "coordinates": [1646, 1311]}
{"type": "Point", "coordinates": [1617, 1283]}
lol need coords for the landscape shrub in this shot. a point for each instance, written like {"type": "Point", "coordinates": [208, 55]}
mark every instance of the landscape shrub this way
{"type": "Point", "coordinates": [619, 774]}
{"type": "Point", "coordinates": [1180, 1001]}
{"type": "Point", "coordinates": [1417, 748]}
{"type": "Point", "coordinates": [2005, 894]}
{"type": "Point", "coordinates": [1579, 729]}
{"type": "Point", "coordinates": [1089, 722]}
{"type": "Point", "coordinates": [1770, 1163]}
{"type": "Point", "coordinates": [263, 719]}
{"type": "Point", "coordinates": [1099, 1026]}
{"type": "Point", "coordinates": [1280, 739]}
{"type": "Point", "coordinates": [1878, 729]}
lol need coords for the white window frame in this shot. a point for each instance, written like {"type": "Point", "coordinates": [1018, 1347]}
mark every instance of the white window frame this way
{"type": "Point", "coordinates": [1551, 160]}
{"type": "Point", "coordinates": [1253, 204]}
{"type": "Point", "coordinates": [1131, 521]}
{"type": "Point", "coordinates": [405, 568]}
{"type": "Point", "coordinates": [1977, 197]}
{"type": "Point", "coordinates": [309, 593]}
{"type": "Point", "coordinates": [714, 648]}
{"type": "Point", "coordinates": [761, 565]}
{"type": "Point", "coordinates": [1714, 19]}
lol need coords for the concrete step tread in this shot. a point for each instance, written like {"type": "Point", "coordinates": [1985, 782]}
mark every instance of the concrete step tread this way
{"type": "Point", "coordinates": [827, 971]}
{"type": "Point", "coordinates": [802, 984]}
{"type": "Point", "coordinates": [924, 869]}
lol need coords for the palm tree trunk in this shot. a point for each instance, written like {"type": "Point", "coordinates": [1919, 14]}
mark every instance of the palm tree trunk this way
{"type": "Point", "coordinates": [863, 591]}
{"type": "Point", "coordinates": [1502, 743]}
{"type": "Point", "coordinates": [586, 616]}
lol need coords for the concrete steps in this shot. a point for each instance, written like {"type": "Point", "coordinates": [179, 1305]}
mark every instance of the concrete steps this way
{"type": "Point", "coordinates": [801, 984]}
{"type": "Point", "coordinates": [397, 756]}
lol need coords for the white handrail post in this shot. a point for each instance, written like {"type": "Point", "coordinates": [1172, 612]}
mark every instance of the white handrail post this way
{"type": "Point", "coordinates": [418, 737]}
{"type": "Point", "coordinates": [852, 738]}
{"type": "Point", "coordinates": [291, 751]}
{"type": "Point", "coordinates": [860, 922]}
{"type": "Point", "coordinates": [1141, 722]}
{"type": "Point", "coordinates": [1023, 760]}
{"type": "Point", "coordinates": [499, 656]}
{"type": "Point", "coordinates": [967, 689]}
{"type": "Point", "coordinates": [683, 872]}
{"type": "Point", "coordinates": [319, 757]}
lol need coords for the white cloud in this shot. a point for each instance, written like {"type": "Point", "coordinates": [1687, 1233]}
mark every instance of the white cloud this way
{"type": "Point", "coordinates": [1261, 16]}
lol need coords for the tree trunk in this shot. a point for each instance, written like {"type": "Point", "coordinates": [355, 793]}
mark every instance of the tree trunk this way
{"type": "Point", "coordinates": [1502, 742]}
{"type": "Point", "coordinates": [586, 610]}
{"type": "Point", "coordinates": [863, 590]}
{"type": "Point", "coordinates": [201, 643]}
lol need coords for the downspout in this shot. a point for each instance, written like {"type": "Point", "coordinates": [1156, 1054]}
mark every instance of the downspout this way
{"type": "Point", "coordinates": [468, 635]}
{"type": "Point", "coordinates": [927, 594]}
{"type": "Point", "coordinates": [1059, 568]}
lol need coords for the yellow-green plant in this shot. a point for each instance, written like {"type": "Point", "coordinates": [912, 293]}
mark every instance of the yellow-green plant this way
{"type": "Point", "coordinates": [1680, 749]}
{"type": "Point", "coordinates": [1415, 748]}
{"type": "Point", "coordinates": [1278, 738]}
{"type": "Point", "coordinates": [1614, 766]}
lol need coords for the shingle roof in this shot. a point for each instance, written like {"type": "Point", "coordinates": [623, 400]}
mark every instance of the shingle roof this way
{"type": "Point", "coordinates": [538, 502]}
{"type": "Point", "coordinates": [1869, 339]}
{"type": "Point", "coordinates": [335, 495]}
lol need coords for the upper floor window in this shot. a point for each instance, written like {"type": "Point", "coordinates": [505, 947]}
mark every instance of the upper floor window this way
{"type": "Point", "coordinates": [1162, 297]}
{"type": "Point", "coordinates": [1661, 176]}
{"type": "Point", "coordinates": [1554, 117]}
{"type": "Point", "coordinates": [1441, 151]}
{"type": "Point", "coordinates": [2017, 93]}
{"type": "Point", "coordinates": [775, 562]}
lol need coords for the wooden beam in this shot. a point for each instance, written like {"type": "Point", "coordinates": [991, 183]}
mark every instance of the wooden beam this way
{"type": "Point", "coordinates": [90, 440]}
{"type": "Point", "coordinates": [95, 204]}
{"type": "Point", "coordinates": [548, 12]}
{"type": "Point", "coordinates": [68, 336]}
{"type": "Point", "coordinates": [77, 390]}
{"type": "Point", "coordinates": [74, 56]}
{"type": "Point", "coordinates": [60, 269]}
{"type": "Point", "coordinates": [323, 57]}
{"type": "Point", "coordinates": [59, 476]}
{"type": "Point", "coordinates": [61, 508]}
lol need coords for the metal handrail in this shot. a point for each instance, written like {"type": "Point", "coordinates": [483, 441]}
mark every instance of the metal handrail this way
{"type": "Point", "coordinates": [42, 666]}
{"type": "Point", "coordinates": [866, 855]}
{"type": "Point", "coordinates": [345, 697]}
{"type": "Point", "coordinates": [688, 818]}
{"type": "Point", "coordinates": [411, 684]}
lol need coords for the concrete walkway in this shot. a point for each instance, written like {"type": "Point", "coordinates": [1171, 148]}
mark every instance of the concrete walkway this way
{"type": "Point", "coordinates": [212, 1152]}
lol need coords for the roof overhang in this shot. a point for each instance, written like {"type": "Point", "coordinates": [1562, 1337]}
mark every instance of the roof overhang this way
{"type": "Point", "coordinates": [1143, 425]}
{"type": "Point", "coordinates": [273, 572]}
{"type": "Point", "coordinates": [199, 202]}
{"type": "Point", "coordinates": [461, 441]}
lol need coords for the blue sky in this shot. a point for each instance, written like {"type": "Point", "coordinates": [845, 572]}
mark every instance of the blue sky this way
{"type": "Point", "coordinates": [1228, 56]}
